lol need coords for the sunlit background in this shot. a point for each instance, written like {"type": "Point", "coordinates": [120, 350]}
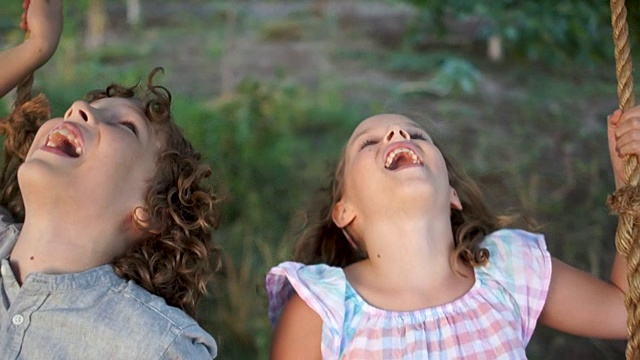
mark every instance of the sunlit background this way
{"type": "Point", "coordinates": [517, 91]}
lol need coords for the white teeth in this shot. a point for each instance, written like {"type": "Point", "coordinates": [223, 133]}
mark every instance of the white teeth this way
{"type": "Point", "coordinates": [392, 155]}
{"type": "Point", "coordinates": [54, 139]}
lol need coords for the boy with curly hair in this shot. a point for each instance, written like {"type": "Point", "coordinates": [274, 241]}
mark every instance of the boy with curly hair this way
{"type": "Point", "coordinates": [105, 229]}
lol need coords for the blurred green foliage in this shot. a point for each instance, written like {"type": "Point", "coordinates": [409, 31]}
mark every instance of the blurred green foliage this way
{"type": "Point", "coordinates": [268, 144]}
{"type": "Point", "coordinates": [550, 32]}
{"type": "Point", "coordinates": [456, 76]}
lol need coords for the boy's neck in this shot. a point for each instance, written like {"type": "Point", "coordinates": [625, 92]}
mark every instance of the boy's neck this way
{"type": "Point", "coordinates": [59, 247]}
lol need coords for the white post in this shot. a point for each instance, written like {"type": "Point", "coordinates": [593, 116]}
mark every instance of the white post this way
{"type": "Point", "coordinates": [134, 12]}
{"type": "Point", "coordinates": [494, 48]}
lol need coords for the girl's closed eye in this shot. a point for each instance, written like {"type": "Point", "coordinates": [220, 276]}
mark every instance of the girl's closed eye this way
{"type": "Point", "coordinates": [368, 142]}
{"type": "Point", "coordinates": [418, 136]}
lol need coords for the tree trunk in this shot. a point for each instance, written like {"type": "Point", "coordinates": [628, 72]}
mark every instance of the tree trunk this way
{"type": "Point", "coordinates": [319, 8]}
{"type": "Point", "coordinates": [348, 10]}
{"type": "Point", "coordinates": [96, 24]}
{"type": "Point", "coordinates": [227, 78]}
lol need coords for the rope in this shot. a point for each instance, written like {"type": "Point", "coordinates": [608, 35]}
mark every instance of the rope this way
{"type": "Point", "coordinates": [23, 91]}
{"type": "Point", "coordinates": [626, 201]}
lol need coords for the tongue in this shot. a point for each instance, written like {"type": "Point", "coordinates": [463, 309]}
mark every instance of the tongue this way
{"type": "Point", "coordinates": [401, 161]}
{"type": "Point", "coordinates": [68, 149]}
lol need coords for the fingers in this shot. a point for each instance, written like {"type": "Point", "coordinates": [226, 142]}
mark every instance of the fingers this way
{"type": "Point", "coordinates": [24, 26]}
{"type": "Point", "coordinates": [626, 129]}
{"type": "Point", "coordinates": [614, 118]}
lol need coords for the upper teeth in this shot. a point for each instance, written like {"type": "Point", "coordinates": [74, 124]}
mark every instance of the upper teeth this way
{"type": "Point", "coordinates": [66, 134]}
{"type": "Point", "coordinates": [392, 155]}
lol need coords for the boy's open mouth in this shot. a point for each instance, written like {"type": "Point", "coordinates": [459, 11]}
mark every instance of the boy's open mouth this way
{"type": "Point", "coordinates": [402, 157]}
{"type": "Point", "coordinates": [65, 140]}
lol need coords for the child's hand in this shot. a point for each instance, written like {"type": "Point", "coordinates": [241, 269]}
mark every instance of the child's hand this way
{"type": "Point", "coordinates": [624, 139]}
{"type": "Point", "coordinates": [42, 19]}
{"type": "Point", "coordinates": [23, 21]}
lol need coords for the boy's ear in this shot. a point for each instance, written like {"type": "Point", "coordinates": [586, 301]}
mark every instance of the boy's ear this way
{"type": "Point", "coordinates": [342, 214]}
{"type": "Point", "coordinates": [143, 215]}
{"type": "Point", "coordinates": [455, 200]}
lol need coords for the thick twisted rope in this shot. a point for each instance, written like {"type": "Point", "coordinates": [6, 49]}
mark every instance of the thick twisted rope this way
{"type": "Point", "coordinates": [626, 201]}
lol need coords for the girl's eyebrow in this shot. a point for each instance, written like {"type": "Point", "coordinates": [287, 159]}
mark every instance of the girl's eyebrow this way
{"type": "Point", "coordinates": [360, 133]}
{"type": "Point", "coordinates": [412, 126]}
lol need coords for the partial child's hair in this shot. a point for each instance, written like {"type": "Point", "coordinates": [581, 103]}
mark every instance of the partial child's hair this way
{"type": "Point", "coordinates": [176, 258]}
{"type": "Point", "coordinates": [324, 242]}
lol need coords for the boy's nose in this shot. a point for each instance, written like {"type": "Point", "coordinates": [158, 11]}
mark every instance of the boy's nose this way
{"type": "Point", "coordinates": [396, 131]}
{"type": "Point", "coordinates": [80, 110]}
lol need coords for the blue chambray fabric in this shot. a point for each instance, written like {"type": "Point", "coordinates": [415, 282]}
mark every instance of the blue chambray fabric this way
{"type": "Point", "coordinates": [94, 314]}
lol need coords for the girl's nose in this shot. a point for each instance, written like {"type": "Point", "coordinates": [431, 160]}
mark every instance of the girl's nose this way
{"type": "Point", "coordinates": [80, 110]}
{"type": "Point", "coordinates": [396, 131]}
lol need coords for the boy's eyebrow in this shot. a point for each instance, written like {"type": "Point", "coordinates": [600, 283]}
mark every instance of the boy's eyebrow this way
{"type": "Point", "coordinates": [126, 105]}
{"type": "Point", "coordinates": [138, 111]}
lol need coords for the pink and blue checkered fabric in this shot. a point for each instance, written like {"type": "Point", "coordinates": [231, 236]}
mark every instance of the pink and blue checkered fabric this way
{"type": "Point", "coordinates": [494, 320]}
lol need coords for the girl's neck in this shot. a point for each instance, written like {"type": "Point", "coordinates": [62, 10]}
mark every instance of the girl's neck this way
{"type": "Point", "coordinates": [401, 241]}
{"type": "Point", "coordinates": [409, 266]}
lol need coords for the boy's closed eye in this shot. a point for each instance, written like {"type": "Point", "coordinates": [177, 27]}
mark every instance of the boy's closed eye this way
{"type": "Point", "coordinates": [131, 126]}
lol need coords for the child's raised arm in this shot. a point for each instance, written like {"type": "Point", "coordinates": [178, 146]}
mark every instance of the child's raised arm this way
{"type": "Point", "coordinates": [44, 24]}
{"type": "Point", "coordinates": [577, 300]}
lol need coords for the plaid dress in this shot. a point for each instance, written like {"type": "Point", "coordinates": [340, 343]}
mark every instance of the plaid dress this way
{"type": "Point", "coordinates": [494, 320]}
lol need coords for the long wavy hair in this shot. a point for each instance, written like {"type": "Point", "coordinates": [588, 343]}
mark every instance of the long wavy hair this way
{"type": "Point", "coordinates": [324, 242]}
{"type": "Point", "coordinates": [174, 260]}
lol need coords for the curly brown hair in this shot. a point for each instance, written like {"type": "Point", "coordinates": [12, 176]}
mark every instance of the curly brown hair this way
{"type": "Point", "coordinates": [177, 257]}
{"type": "Point", "coordinates": [324, 242]}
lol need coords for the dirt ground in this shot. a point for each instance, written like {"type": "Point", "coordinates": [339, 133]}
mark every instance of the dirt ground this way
{"type": "Point", "coordinates": [307, 57]}
{"type": "Point", "coordinates": [311, 54]}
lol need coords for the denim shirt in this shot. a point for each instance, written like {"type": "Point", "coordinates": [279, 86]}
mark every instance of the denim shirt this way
{"type": "Point", "coordinates": [93, 314]}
